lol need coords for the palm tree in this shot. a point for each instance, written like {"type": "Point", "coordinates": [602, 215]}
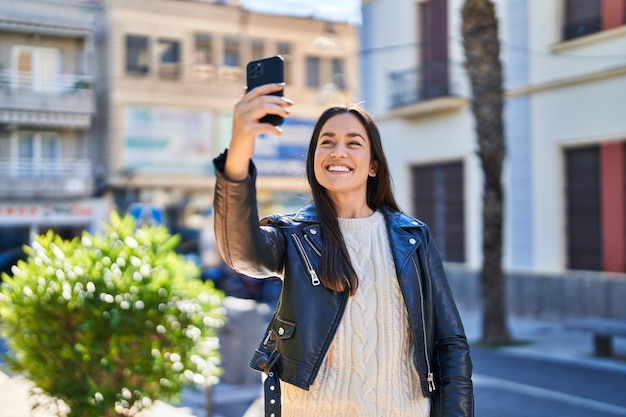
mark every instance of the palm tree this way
{"type": "Point", "coordinates": [482, 50]}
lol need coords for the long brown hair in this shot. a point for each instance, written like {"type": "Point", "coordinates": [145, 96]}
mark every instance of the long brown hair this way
{"type": "Point", "coordinates": [336, 271]}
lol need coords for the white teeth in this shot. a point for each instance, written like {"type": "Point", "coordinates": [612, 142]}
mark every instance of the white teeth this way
{"type": "Point", "coordinates": [338, 168]}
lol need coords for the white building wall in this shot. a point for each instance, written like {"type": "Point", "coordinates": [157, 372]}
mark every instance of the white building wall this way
{"type": "Point", "coordinates": [581, 114]}
{"type": "Point", "coordinates": [436, 140]}
{"type": "Point", "coordinates": [554, 60]}
{"type": "Point", "coordinates": [388, 44]}
{"type": "Point", "coordinates": [576, 97]}
{"type": "Point", "coordinates": [559, 94]}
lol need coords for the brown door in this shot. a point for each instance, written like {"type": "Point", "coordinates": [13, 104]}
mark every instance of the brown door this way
{"type": "Point", "coordinates": [583, 211]}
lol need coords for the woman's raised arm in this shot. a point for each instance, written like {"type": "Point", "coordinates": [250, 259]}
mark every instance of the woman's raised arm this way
{"type": "Point", "coordinates": [246, 126]}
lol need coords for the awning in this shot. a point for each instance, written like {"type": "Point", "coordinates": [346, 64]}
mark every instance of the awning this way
{"type": "Point", "coordinates": [44, 28]}
{"type": "Point", "coordinates": [45, 119]}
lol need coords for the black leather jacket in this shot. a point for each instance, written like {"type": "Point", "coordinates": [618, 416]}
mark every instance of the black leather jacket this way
{"type": "Point", "coordinates": [307, 314]}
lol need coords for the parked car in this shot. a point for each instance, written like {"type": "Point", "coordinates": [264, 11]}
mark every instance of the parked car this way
{"type": "Point", "coordinates": [238, 285]}
{"type": "Point", "coordinates": [10, 258]}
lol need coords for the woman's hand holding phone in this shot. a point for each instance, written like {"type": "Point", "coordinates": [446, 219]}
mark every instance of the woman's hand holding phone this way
{"type": "Point", "coordinates": [253, 106]}
{"type": "Point", "coordinates": [270, 70]}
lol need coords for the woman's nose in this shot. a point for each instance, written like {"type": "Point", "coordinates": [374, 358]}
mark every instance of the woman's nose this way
{"type": "Point", "coordinates": [338, 152]}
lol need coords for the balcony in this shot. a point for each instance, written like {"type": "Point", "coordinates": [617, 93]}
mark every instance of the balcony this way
{"type": "Point", "coordinates": [49, 178]}
{"type": "Point", "coordinates": [61, 100]}
{"type": "Point", "coordinates": [59, 19]}
{"type": "Point", "coordinates": [420, 91]}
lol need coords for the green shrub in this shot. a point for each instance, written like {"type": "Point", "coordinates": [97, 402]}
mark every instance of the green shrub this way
{"type": "Point", "coordinates": [110, 322]}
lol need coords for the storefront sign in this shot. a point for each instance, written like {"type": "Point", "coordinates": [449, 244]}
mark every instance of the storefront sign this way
{"type": "Point", "coordinates": [23, 212]}
{"type": "Point", "coordinates": [160, 139]}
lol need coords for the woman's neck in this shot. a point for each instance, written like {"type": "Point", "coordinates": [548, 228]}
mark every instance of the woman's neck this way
{"type": "Point", "coordinates": [353, 211]}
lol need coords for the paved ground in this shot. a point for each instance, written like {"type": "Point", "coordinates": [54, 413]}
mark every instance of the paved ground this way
{"type": "Point", "coordinates": [544, 338]}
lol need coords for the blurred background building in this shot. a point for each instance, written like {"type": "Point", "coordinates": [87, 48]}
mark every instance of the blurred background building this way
{"type": "Point", "coordinates": [565, 83]}
{"type": "Point", "coordinates": [50, 177]}
{"type": "Point", "coordinates": [122, 105]}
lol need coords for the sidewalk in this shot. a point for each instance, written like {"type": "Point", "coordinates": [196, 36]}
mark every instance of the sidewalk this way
{"type": "Point", "coordinates": [539, 337]}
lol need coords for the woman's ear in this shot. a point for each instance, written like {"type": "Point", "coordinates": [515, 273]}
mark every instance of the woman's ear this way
{"type": "Point", "coordinates": [373, 169]}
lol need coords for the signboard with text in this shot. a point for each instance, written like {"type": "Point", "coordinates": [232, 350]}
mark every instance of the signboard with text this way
{"type": "Point", "coordinates": [161, 139]}
{"type": "Point", "coordinates": [71, 212]}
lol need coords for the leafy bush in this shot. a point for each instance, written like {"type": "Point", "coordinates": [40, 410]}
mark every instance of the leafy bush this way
{"type": "Point", "coordinates": [110, 322]}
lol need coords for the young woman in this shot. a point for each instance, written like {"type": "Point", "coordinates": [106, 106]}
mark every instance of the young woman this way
{"type": "Point", "coordinates": [366, 324]}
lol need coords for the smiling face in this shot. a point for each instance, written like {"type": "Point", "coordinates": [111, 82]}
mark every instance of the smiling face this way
{"type": "Point", "coordinates": [342, 161]}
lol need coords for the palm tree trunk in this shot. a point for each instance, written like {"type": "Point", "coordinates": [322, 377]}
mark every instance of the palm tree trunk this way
{"type": "Point", "coordinates": [482, 53]}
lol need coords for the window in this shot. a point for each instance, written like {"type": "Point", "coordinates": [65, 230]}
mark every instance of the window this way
{"type": "Point", "coordinates": [433, 75]}
{"type": "Point", "coordinates": [50, 146]}
{"type": "Point", "coordinates": [169, 58]}
{"type": "Point", "coordinates": [339, 75]}
{"type": "Point", "coordinates": [36, 69]}
{"type": "Point", "coordinates": [258, 49]}
{"type": "Point", "coordinates": [313, 76]}
{"type": "Point", "coordinates": [325, 71]}
{"type": "Point", "coordinates": [169, 51]}
{"type": "Point", "coordinates": [582, 17]}
{"type": "Point", "coordinates": [437, 193]}
{"type": "Point", "coordinates": [204, 49]}
{"type": "Point", "coordinates": [231, 52]}
{"type": "Point", "coordinates": [284, 49]}
{"type": "Point", "coordinates": [38, 154]}
{"type": "Point", "coordinates": [137, 55]}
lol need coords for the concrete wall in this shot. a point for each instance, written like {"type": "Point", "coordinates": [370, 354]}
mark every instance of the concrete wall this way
{"type": "Point", "coordinates": [551, 296]}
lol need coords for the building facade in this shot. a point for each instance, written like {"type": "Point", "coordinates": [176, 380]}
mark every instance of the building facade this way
{"type": "Point", "coordinates": [123, 104]}
{"type": "Point", "coordinates": [47, 108]}
{"type": "Point", "coordinates": [564, 177]}
{"type": "Point", "coordinates": [176, 69]}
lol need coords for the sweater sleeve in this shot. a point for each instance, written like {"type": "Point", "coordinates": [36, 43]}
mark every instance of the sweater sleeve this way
{"type": "Point", "coordinates": [248, 248]}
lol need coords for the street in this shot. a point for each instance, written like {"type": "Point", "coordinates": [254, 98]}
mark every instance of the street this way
{"type": "Point", "coordinates": [551, 372]}
{"type": "Point", "coordinates": [511, 385]}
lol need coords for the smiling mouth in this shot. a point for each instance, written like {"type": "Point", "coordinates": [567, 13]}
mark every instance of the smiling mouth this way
{"type": "Point", "coordinates": [338, 168]}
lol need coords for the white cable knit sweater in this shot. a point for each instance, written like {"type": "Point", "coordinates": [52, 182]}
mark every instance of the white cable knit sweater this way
{"type": "Point", "coordinates": [368, 371]}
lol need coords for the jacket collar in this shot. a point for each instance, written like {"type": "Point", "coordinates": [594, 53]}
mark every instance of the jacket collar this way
{"type": "Point", "coordinates": [308, 214]}
{"type": "Point", "coordinates": [405, 232]}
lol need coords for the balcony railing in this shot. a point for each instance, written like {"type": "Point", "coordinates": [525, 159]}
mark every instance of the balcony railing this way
{"type": "Point", "coordinates": [46, 177]}
{"type": "Point", "coordinates": [419, 84]}
{"type": "Point", "coordinates": [27, 81]}
{"type": "Point", "coordinates": [62, 100]}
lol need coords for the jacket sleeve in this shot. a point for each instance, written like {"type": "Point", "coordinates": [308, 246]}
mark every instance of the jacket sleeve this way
{"type": "Point", "coordinates": [454, 396]}
{"type": "Point", "coordinates": [248, 248]}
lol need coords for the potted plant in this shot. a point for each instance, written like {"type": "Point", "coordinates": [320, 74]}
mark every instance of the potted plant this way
{"type": "Point", "coordinates": [108, 323]}
{"type": "Point", "coordinates": [82, 84]}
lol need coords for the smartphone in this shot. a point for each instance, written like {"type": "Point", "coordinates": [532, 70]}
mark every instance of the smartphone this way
{"type": "Point", "coordinates": [263, 71]}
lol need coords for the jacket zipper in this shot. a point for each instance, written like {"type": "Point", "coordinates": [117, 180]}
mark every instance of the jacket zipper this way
{"type": "Point", "coordinates": [307, 262]}
{"type": "Point", "coordinates": [306, 237]}
{"type": "Point", "coordinates": [430, 377]}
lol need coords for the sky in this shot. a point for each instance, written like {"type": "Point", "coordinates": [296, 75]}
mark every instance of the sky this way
{"type": "Point", "coordinates": [348, 11]}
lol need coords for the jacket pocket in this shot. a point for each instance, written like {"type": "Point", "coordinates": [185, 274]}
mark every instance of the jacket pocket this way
{"type": "Point", "coordinates": [278, 331]}
{"type": "Point", "coordinates": [281, 330]}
